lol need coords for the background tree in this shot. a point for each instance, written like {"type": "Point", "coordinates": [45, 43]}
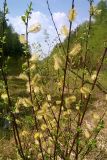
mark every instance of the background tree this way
{"type": "Point", "coordinates": [13, 47]}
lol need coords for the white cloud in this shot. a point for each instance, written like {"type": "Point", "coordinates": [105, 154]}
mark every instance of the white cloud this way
{"type": "Point", "coordinates": [17, 24]}
{"type": "Point", "coordinates": [60, 19]}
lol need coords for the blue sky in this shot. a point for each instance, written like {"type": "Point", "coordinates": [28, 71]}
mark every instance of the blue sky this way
{"type": "Point", "coordinates": [41, 15]}
{"type": "Point", "coordinates": [17, 7]}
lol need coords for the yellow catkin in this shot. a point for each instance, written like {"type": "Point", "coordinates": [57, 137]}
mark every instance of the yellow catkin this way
{"type": "Point", "coordinates": [57, 62]}
{"type": "Point", "coordinates": [76, 49]}
{"type": "Point", "coordinates": [72, 15]}
{"type": "Point", "coordinates": [64, 30]}
{"type": "Point", "coordinates": [35, 28]}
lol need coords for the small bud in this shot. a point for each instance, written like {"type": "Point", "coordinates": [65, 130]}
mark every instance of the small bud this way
{"type": "Point", "coordinates": [96, 116]}
{"type": "Point", "coordinates": [70, 100]}
{"type": "Point", "coordinates": [106, 97]}
{"type": "Point", "coordinates": [4, 96]}
{"type": "Point", "coordinates": [86, 133]}
{"type": "Point", "coordinates": [22, 39]}
{"type": "Point", "coordinates": [93, 76]}
{"type": "Point", "coordinates": [43, 127]}
{"type": "Point", "coordinates": [49, 97]}
{"type": "Point", "coordinates": [85, 90]}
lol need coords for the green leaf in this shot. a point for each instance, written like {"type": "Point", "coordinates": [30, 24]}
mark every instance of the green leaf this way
{"type": "Point", "coordinates": [92, 143]}
{"type": "Point", "coordinates": [99, 127]}
{"type": "Point", "coordinates": [23, 19]}
{"type": "Point", "coordinates": [79, 130]}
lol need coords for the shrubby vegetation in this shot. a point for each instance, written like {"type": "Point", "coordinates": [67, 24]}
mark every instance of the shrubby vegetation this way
{"type": "Point", "coordinates": [55, 108]}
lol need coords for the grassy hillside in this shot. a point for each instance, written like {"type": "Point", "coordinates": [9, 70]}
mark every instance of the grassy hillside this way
{"type": "Point", "coordinates": [96, 43]}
